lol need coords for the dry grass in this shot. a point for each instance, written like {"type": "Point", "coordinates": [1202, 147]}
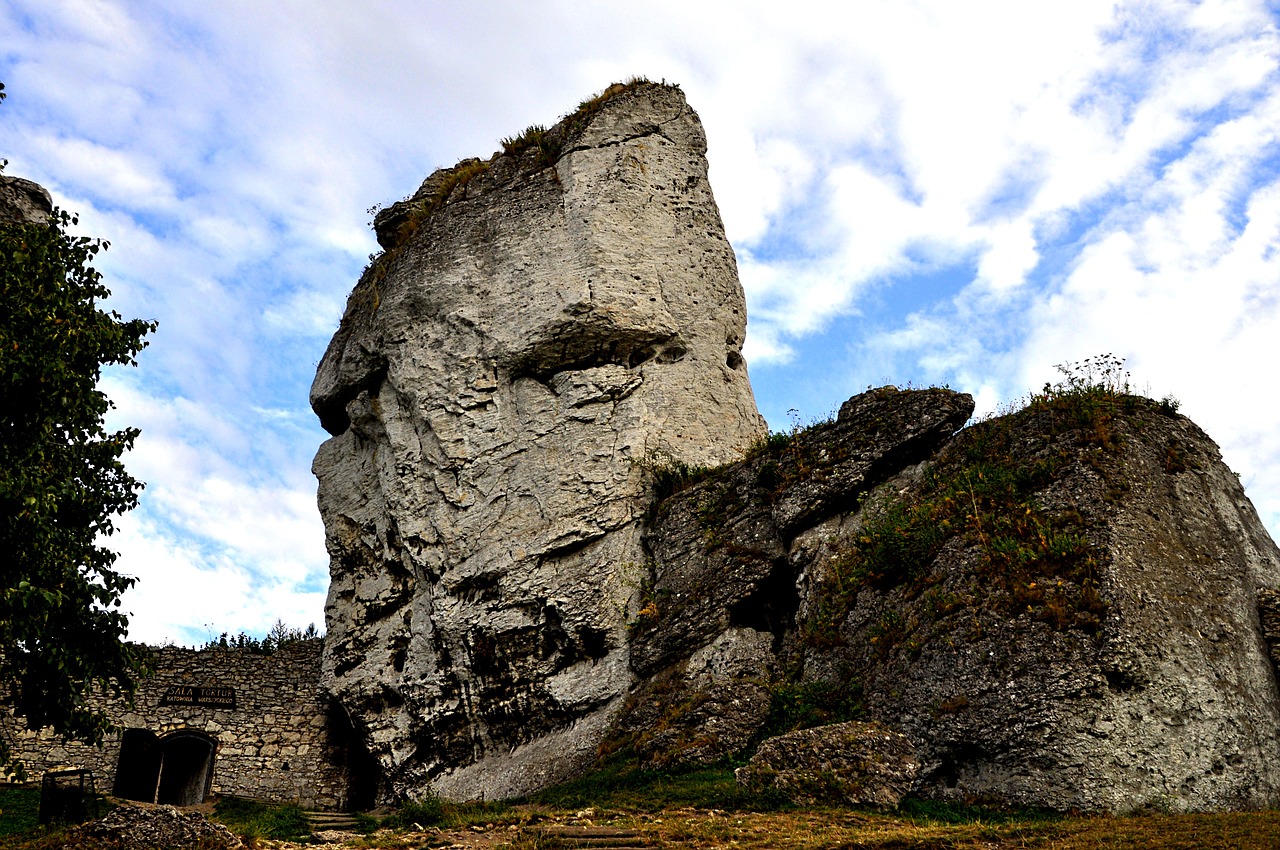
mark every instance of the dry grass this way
{"type": "Point", "coordinates": [522, 827]}
{"type": "Point", "coordinates": [834, 828]}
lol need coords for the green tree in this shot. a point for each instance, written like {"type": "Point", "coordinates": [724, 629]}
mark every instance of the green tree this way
{"type": "Point", "coordinates": [61, 482]}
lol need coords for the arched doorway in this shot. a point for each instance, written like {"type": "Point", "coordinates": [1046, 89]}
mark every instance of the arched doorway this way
{"type": "Point", "coordinates": [176, 769]}
{"type": "Point", "coordinates": [186, 767]}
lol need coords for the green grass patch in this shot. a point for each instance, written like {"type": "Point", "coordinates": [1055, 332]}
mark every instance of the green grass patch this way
{"type": "Point", "coordinates": [426, 812]}
{"type": "Point", "coordinates": [619, 783]}
{"type": "Point", "coordinates": [432, 811]}
{"type": "Point", "coordinates": [366, 823]}
{"type": "Point", "coordinates": [937, 812]}
{"type": "Point", "coordinates": [19, 809]}
{"type": "Point", "coordinates": [252, 819]}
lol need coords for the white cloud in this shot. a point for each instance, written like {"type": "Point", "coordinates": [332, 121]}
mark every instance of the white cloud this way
{"type": "Point", "coordinates": [112, 173]}
{"type": "Point", "coordinates": [1106, 173]}
{"type": "Point", "coordinates": [186, 596]}
{"type": "Point", "coordinates": [215, 540]}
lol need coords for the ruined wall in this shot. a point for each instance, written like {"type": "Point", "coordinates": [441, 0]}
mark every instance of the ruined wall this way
{"type": "Point", "coordinates": [278, 741]}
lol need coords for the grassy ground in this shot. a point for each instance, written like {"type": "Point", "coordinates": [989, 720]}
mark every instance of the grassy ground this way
{"type": "Point", "coordinates": [19, 809]}
{"type": "Point", "coordinates": [703, 809]}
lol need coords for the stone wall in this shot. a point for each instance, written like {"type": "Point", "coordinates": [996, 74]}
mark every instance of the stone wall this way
{"type": "Point", "coordinates": [274, 737]}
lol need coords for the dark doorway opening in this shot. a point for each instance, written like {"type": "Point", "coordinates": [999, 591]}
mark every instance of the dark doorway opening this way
{"type": "Point", "coordinates": [186, 768]}
{"type": "Point", "coordinates": [176, 769]}
{"type": "Point", "coordinates": [138, 769]}
{"type": "Point", "coordinates": [346, 750]}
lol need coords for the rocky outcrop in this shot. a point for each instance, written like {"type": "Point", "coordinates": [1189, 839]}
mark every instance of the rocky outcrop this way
{"type": "Point", "coordinates": [719, 549]}
{"type": "Point", "coordinates": [1058, 607]}
{"type": "Point", "coordinates": [1070, 606]}
{"type": "Point", "coordinates": [539, 325]}
{"type": "Point", "coordinates": [854, 763]}
{"type": "Point", "coordinates": [1084, 634]}
{"type": "Point", "coordinates": [23, 202]}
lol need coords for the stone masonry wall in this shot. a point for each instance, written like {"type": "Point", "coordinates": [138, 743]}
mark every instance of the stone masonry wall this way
{"type": "Point", "coordinates": [276, 744]}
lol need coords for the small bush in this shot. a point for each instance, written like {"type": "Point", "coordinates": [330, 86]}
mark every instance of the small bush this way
{"type": "Point", "coordinates": [671, 475]}
{"type": "Point", "coordinates": [255, 819]}
{"type": "Point", "coordinates": [804, 705]}
{"type": "Point", "coordinates": [428, 811]}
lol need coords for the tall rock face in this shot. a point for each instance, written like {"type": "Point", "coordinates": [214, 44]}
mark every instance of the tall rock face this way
{"type": "Point", "coordinates": [540, 324]}
{"type": "Point", "coordinates": [1072, 606]}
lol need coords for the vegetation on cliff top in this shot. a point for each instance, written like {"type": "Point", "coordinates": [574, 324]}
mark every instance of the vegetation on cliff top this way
{"type": "Point", "coordinates": [548, 144]}
{"type": "Point", "coordinates": [982, 490]}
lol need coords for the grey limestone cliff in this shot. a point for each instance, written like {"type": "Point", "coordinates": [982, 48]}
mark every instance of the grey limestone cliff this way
{"type": "Point", "coordinates": [1070, 606]}
{"type": "Point", "coordinates": [539, 325]}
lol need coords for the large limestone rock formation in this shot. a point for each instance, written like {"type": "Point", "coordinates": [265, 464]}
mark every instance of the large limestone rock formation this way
{"type": "Point", "coordinates": [1072, 606]}
{"type": "Point", "coordinates": [539, 324]}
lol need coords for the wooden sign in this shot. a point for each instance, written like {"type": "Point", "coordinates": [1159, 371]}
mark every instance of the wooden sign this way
{"type": "Point", "coordinates": [197, 695]}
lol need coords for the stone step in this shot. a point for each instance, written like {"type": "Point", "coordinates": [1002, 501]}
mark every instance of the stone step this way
{"type": "Point", "coordinates": [330, 820]}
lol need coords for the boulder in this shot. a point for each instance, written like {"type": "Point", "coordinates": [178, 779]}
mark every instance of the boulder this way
{"type": "Point", "coordinates": [704, 709]}
{"type": "Point", "coordinates": [853, 763]}
{"type": "Point", "coordinates": [539, 325]}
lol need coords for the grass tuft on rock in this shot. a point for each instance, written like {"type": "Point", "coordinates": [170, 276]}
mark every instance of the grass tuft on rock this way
{"type": "Point", "coordinates": [981, 491]}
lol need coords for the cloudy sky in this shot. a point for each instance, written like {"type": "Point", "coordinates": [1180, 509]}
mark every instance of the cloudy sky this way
{"type": "Point", "coordinates": [918, 192]}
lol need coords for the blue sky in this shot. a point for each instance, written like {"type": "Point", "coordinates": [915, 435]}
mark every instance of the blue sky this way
{"type": "Point", "coordinates": [918, 192]}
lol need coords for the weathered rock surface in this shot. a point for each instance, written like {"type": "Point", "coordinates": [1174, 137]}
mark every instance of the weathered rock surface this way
{"type": "Point", "coordinates": [705, 708]}
{"type": "Point", "coordinates": [1128, 671]}
{"type": "Point", "coordinates": [719, 549]}
{"type": "Point", "coordinates": [141, 827]}
{"type": "Point", "coordinates": [856, 763]}
{"type": "Point", "coordinates": [1071, 606]}
{"type": "Point", "coordinates": [1269, 616]}
{"type": "Point", "coordinates": [721, 584]}
{"type": "Point", "coordinates": [23, 201]}
{"type": "Point", "coordinates": [538, 324]}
